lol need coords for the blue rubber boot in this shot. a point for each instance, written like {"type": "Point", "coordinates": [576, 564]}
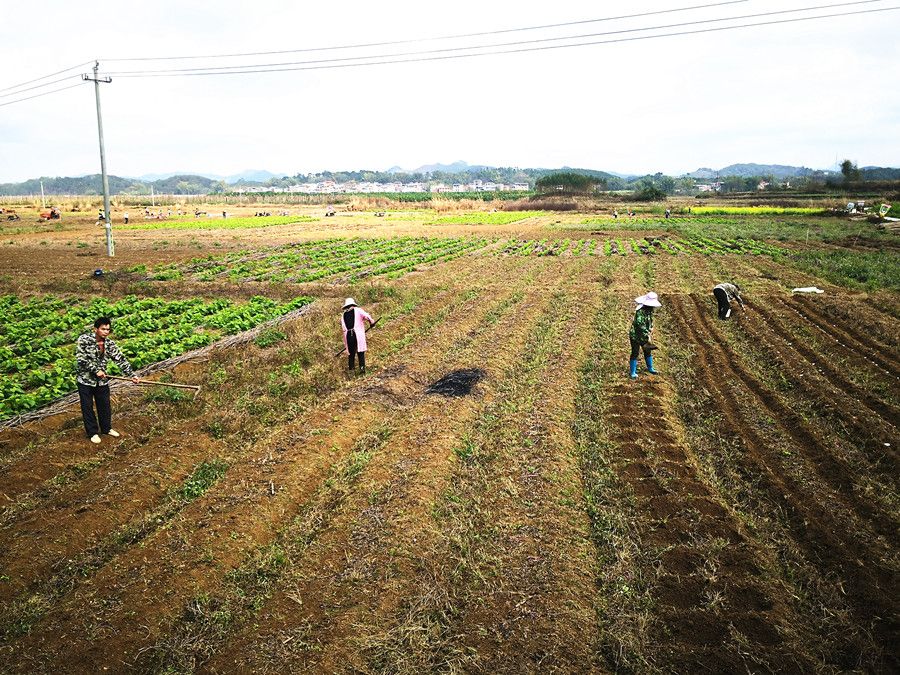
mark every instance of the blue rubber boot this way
{"type": "Point", "coordinates": [650, 365]}
{"type": "Point", "coordinates": [633, 364]}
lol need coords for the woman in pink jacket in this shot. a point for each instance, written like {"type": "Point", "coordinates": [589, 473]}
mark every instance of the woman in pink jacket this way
{"type": "Point", "coordinates": [355, 332]}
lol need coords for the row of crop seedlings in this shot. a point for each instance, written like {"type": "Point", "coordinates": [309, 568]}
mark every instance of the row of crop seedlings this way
{"type": "Point", "coordinates": [37, 338]}
{"type": "Point", "coordinates": [312, 261]}
{"type": "Point", "coordinates": [648, 246]}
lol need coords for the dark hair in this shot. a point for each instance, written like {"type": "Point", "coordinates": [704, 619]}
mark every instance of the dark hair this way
{"type": "Point", "coordinates": [103, 321]}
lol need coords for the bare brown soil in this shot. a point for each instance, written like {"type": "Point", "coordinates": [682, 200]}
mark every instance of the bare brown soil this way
{"type": "Point", "coordinates": [735, 513]}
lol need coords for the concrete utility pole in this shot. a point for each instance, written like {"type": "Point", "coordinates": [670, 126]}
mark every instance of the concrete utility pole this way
{"type": "Point", "coordinates": [110, 246]}
{"type": "Point", "coordinates": [43, 205]}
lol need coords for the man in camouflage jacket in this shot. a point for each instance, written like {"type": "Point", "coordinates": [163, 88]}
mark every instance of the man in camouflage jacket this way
{"type": "Point", "coordinates": [93, 351]}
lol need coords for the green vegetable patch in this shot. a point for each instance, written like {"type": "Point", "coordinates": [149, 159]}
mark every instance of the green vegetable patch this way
{"type": "Point", "coordinates": [37, 337]}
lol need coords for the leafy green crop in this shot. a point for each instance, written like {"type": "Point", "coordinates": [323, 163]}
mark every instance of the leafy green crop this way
{"type": "Point", "coordinates": [331, 259]}
{"type": "Point", "coordinates": [496, 218]}
{"type": "Point", "coordinates": [37, 351]}
{"type": "Point", "coordinates": [647, 246]}
{"type": "Point", "coordinates": [218, 223]}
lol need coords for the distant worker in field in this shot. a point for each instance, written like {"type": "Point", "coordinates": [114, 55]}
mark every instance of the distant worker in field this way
{"type": "Point", "coordinates": [668, 213]}
{"type": "Point", "coordinates": [724, 294]}
{"type": "Point", "coordinates": [125, 216]}
{"type": "Point", "coordinates": [93, 351]}
{"type": "Point", "coordinates": [355, 332]}
{"type": "Point", "coordinates": [641, 330]}
{"type": "Point", "coordinates": [615, 213]}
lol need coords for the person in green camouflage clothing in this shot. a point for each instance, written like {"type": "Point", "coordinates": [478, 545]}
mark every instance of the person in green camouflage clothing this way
{"type": "Point", "coordinates": [641, 328]}
{"type": "Point", "coordinates": [93, 351]}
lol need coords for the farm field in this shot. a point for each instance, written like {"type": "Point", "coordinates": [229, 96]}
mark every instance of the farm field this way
{"type": "Point", "coordinates": [495, 494]}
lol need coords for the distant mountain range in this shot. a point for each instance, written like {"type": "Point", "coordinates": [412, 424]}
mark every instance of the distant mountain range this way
{"type": "Point", "coordinates": [248, 175]}
{"type": "Point", "coordinates": [456, 167]}
{"type": "Point", "coordinates": [186, 183]}
{"type": "Point", "coordinates": [778, 171]}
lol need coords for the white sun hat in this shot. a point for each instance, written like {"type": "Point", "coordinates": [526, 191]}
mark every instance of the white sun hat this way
{"type": "Point", "coordinates": [648, 300]}
{"type": "Point", "coordinates": [349, 302]}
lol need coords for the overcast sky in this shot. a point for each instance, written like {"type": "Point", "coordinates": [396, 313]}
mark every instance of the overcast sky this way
{"type": "Point", "coordinates": [806, 93]}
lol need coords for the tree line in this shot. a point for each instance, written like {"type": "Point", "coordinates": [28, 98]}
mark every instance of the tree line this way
{"type": "Point", "coordinates": [649, 187]}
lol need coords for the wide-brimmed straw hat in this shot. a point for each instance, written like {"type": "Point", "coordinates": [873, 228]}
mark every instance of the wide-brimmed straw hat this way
{"type": "Point", "coordinates": [648, 300]}
{"type": "Point", "coordinates": [349, 302]}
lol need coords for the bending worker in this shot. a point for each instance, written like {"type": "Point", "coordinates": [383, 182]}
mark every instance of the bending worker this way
{"type": "Point", "coordinates": [93, 350]}
{"type": "Point", "coordinates": [355, 332]}
{"type": "Point", "coordinates": [724, 294]}
{"type": "Point", "coordinates": [641, 329]}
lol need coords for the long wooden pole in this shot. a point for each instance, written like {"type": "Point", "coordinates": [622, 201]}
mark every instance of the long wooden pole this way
{"type": "Point", "coordinates": [195, 387]}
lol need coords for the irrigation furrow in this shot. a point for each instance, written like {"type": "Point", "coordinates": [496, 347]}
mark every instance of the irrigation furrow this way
{"type": "Point", "coordinates": [831, 470]}
{"type": "Point", "coordinates": [869, 586]}
{"type": "Point", "coordinates": [884, 410]}
{"type": "Point", "coordinates": [877, 428]}
{"type": "Point", "coordinates": [243, 504]}
{"type": "Point", "coordinates": [869, 352]}
{"type": "Point", "coordinates": [867, 342]}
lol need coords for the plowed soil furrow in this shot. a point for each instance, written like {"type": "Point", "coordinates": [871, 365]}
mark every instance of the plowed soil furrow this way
{"type": "Point", "coordinates": [711, 603]}
{"type": "Point", "coordinates": [867, 349]}
{"type": "Point", "coordinates": [830, 469]}
{"type": "Point", "coordinates": [357, 573]}
{"type": "Point", "coordinates": [877, 426]}
{"type": "Point", "coordinates": [242, 505]}
{"type": "Point", "coordinates": [47, 541]}
{"type": "Point", "coordinates": [25, 469]}
{"type": "Point", "coordinates": [866, 319]}
{"type": "Point", "coordinates": [887, 412]}
{"type": "Point", "coordinates": [871, 341]}
{"type": "Point", "coordinates": [129, 484]}
{"type": "Point", "coordinates": [869, 586]}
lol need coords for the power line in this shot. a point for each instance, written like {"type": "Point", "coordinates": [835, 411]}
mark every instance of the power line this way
{"type": "Point", "coordinates": [492, 46]}
{"type": "Point", "coordinates": [432, 39]}
{"type": "Point", "coordinates": [38, 86]}
{"type": "Point", "coordinates": [53, 91]}
{"type": "Point", "coordinates": [37, 79]}
{"type": "Point", "coordinates": [263, 68]}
